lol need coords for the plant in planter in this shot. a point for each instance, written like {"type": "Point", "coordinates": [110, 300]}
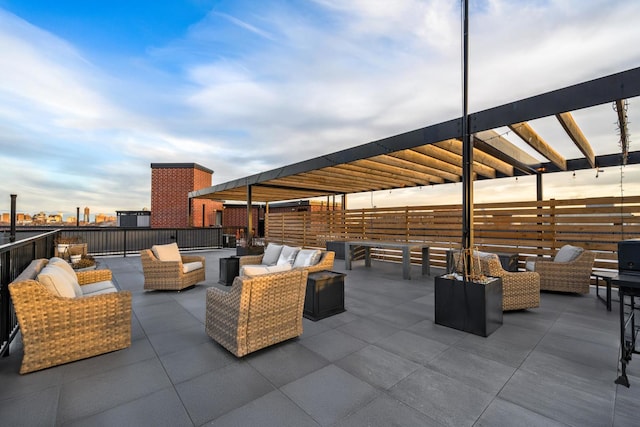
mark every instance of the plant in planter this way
{"type": "Point", "coordinates": [85, 262]}
{"type": "Point", "coordinates": [468, 300]}
{"type": "Point", "coordinates": [64, 242]}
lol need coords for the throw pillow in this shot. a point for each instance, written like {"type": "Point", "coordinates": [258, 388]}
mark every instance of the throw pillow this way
{"type": "Point", "coordinates": [58, 282]}
{"type": "Point", "coordinates": [169, 252]}
{"type": "Point", "coordinates": [288, 255]}
{"type": "Point", "coordinates": [271, 254]}
{"type": "Point", "coordinates": [64, 265]}
{"type": "Point", "coordinates": [307, 258]}
{"type": "Point", "coordinates": [568, 253]}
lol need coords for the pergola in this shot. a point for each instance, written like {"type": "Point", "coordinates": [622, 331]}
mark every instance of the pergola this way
{"type": "Point", "coordinates": [434, 154]}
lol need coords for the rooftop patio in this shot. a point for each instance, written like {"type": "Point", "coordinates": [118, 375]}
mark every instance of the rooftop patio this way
{"type": "Point", "coordinates": [382, 362]}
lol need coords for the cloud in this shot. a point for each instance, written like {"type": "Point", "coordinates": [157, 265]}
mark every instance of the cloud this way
{"type": "Point", "coordinates": [247, 89]}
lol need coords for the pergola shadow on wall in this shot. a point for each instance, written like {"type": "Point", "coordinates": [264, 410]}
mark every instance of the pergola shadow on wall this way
{"type": "Point", "coordinates": [433, 154]}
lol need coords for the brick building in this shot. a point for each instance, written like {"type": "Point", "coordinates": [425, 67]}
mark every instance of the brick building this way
{"type": "Point", "coordinates": [170, 187]}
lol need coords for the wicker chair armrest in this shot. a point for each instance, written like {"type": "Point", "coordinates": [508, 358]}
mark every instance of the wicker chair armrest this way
{"type": "Point", "coordinates": [251, 259]}
{"type": "Point", "coordinates": [224, 305]}
{"type": "Point", "coordinates": [325, 263]}
{"type": "Point", "coordinates": [92, 276]}
{"type": "Point", "coordinates": [522, 275]}
{"type": "Point", "coordinates": [192, 258]}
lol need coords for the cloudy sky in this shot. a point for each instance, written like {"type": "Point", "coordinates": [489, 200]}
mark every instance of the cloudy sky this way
{"type": "Point", "coordinates": [92, 93]}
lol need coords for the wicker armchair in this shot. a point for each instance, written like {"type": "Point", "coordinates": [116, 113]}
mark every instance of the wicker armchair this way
{"type": "Point", "coordinates": [571, 276]}
{"type": "Point", "coordinates": [169, 275]}
{"type": "Point", "coordinates": [325, 263]}
{"type": "Point", "coordinates": [520, 290]}
{"type": "Point", "coordinates": [57, 330]}
{"type": "Point", "coordinates": [257, 312]}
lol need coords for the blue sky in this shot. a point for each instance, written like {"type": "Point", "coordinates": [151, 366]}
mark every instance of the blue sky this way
{"type": "Point", "coordinates": [93, 92]}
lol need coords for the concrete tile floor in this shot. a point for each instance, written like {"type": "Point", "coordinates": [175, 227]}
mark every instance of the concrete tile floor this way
{"type": "Point", "coordinates": [382, 362]}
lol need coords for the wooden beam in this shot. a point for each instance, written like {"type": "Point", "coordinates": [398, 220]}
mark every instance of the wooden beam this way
{"type": "Point", "coordinates": [621, 108]}
{"type": "Point", "coordinates": [573, 130]}
{"type": "Point", "coordinates": [411, 160]}
{"type": "Point", "coordinates": [528, 135]}
{"type": "Point", "coordinates": [480, 158]}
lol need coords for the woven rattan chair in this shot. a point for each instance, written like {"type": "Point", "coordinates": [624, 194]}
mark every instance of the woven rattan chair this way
{"type": "Point", "coordinates": [571, 276]}
{"type": "Point", "coordinates": [57, 330]}
{"type": "Point", "coordinates": [257, 311]}
{"type": "Point", "coordinates": [169, 275]}
{"type": "Point", "coordinates": [520, 290]}
{"type": "Point", "coordinates": [325, 263]}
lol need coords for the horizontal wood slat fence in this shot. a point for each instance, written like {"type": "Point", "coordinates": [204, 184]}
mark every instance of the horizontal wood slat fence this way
{"type": "Point", "coordinates": [527, 228]}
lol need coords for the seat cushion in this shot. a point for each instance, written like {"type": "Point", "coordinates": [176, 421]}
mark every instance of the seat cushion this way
{"type": "Point", "coordinates": [568, 253]}
{"type": "Point", "coordinates": [257, 270]}
{"type": "Point", "coordinates": [191, 266]}
{"type": "Point", "coordinates": [288, 255]}
{"type": "Point", "coordinates": [98, 288]}
{"type": "Point", "coordinates": [58, 282]}
{"type": "Point", "coordinates": [271, 254]}
{"type": "Point", "coordinates": [169, 252]}
{"type": "Point", "coordinates": [307, 258]}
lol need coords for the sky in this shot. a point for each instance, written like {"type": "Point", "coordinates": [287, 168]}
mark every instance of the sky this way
{"type": "Point", "coordinates": [93, 92]}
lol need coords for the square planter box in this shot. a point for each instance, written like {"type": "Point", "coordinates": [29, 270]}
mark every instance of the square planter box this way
{"type": "Point", "coordinates": [324, 296]}
{"type": "Point", "coordinates": [229, 269]}
{"type": "Point", "coordinates": [469, 306]}
{"type": "Point", "coordinates": [336, 246]}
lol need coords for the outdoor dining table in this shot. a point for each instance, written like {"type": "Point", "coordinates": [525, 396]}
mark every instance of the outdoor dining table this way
{"type": "Point", "coordinates": [406, 253]}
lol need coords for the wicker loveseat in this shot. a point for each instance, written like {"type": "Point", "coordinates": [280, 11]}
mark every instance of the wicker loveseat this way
{"type": "Point", "coordinates": [570, 273]}
{"type": "Point", "coordinates": [276, 256]}
{"type": "Point", "coordinates": [164, 268]}
{"type": "Point", "coordinates": [59, 329]}
{"type": "Point", "coordinates": [520, 290]}
{"type": "Point", "coordinates": [256, 312]}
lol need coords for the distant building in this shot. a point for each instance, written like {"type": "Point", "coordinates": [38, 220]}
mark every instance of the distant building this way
{"type": "Point", "coordinates": [133, 218]}
{"type": "Point", "coordinates": [86, 215]}
{"type": "Point", "coordinates": [170, 205]}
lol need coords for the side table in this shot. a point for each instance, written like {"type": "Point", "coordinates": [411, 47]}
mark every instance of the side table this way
{"type": "Point", "coordinates": [229, 270]}
{"type": "Point", "coordinates": [324, 296]}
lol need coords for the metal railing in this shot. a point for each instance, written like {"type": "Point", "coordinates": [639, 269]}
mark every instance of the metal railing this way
{"type": "Point", "coordinates": [123, 241]}
{"type": "Point", "coordinates": [15, 257]}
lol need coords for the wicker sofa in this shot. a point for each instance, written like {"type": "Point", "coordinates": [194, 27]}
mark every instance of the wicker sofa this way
{"type": "Point", "coordinates": [257, 311]}
{"type": "Point", "coordinates": [59, 329]}
{"type": "Point", "coordinates": [165, 269]}
{"type": "Point", "coordinates": [276, 256]}
{"type": "Point", "coordinates": [570, 273]}
{"type": "Point", "coordinates": [520, 290]}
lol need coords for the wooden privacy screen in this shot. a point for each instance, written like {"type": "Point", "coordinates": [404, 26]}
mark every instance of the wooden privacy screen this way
{"type": "Point", "coordinates": [527, 228]}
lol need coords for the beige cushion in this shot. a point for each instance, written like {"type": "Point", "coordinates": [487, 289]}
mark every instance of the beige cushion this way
{"type": "Point", "coordinates": [32, 270]}
{"type": "Point", "coordinates": [60, 263]}
{"type": "Point", "coordinates": [191, 266]}
{"type": "Point", "coordinates": [98, 288]}
{"type": "Point", "coordinates": [271, 254]}
{"type": "Point", "coordinates": [288, 255]}
{"type": "Point", "coordinates": [307, 258]}
{"type": "Point", "coordinates": [58, 282]}
{"type": "Point", "coordinates": [257, 270]}
{"type": "Point", "coordinates": [168, 252]}
{"type": "Point", "coordinates": [568, 253]}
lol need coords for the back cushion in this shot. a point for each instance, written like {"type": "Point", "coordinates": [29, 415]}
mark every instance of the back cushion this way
{"type": "Point", "coordinates": [288, 255]}
{"type": "Point", "coordinates": [271, 254]}
{"type": "Point", "coordinates": [568, 253]}
{"type": "Point", "coordinates": [307, 258]}
{"type": "Point", "coordinates": [58, 282]}
{"type": "Point", "coordinates": [64, 265]}
{"type": "Point", "coordinates": [169, 252]}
